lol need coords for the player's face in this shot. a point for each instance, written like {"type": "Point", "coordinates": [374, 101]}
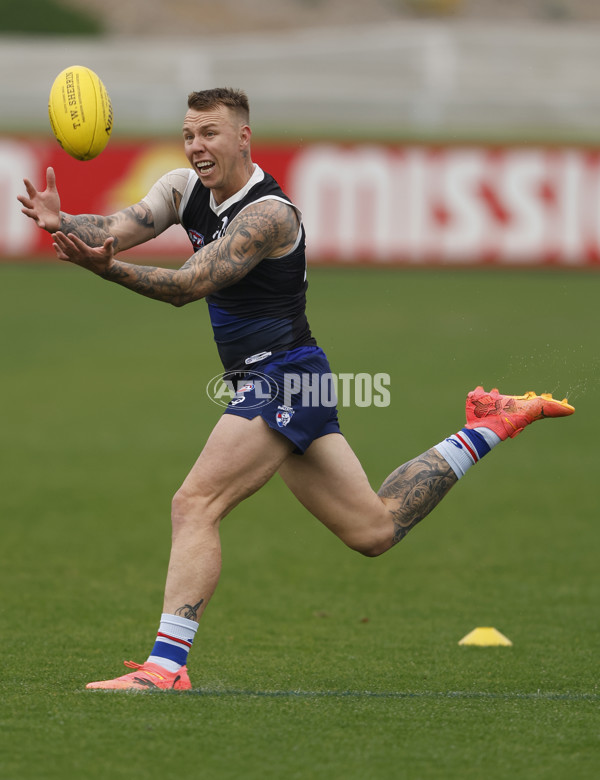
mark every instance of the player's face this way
{"type": "Point", "coordinates": [217, 145]}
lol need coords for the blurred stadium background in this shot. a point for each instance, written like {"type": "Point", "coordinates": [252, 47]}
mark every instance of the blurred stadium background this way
{"type": "Point", "coordinates": [488, 110]}
{"type": "Point", "coordinates": [447, 68]}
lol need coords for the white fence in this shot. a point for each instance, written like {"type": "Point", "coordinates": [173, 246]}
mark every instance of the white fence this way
{"type": "Point", "coordinates": [417, 78]}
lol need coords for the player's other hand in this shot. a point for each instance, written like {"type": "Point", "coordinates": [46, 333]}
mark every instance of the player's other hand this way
{"type": "Point", "coordinates": [43, 207]}
{"type": "Point", "coordinates": [97, 259]}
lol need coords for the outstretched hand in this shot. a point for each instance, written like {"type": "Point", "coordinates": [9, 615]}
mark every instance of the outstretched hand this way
{"type": "Point", "coordinates": [97, 259]}
{"type": "Point", "coordinates": [43, 207]}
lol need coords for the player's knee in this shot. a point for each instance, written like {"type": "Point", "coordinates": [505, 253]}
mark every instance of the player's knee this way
{"type": "Point", "coordinates": [373, 550]}
{"type": "Point", "coordinates": [371, 544]}
{"type": "Point", "coordinates": [181, 509]}
{"type": "Point", "coordinates": [187, 507]}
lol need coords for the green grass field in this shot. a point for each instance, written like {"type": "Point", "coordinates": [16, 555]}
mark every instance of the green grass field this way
{"type": "Point", "coordinates": [311, 662]}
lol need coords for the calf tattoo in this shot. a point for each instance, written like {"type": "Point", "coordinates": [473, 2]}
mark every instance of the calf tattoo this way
{"type": "Point", "coordinates": [414, 489]}
{"type": "Point", "coordinates": [188, 611]}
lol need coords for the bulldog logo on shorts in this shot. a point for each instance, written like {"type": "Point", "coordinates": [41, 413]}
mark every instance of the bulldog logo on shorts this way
{"type": "Point", "coordinates": [283, 415]}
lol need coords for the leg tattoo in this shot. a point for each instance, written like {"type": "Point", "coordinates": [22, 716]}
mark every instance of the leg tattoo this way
{"type": "Point", "coordinates": [414, 489]}
{"type": "Point", "coordinates": [188, 611]}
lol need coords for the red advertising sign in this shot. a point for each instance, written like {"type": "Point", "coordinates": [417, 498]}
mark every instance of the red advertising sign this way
{"type": "Point", "coordinates": [362, 203]}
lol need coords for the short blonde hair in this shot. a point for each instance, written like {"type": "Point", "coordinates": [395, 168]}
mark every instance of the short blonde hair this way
{"type": "Point", "coordinates": [235, 99]}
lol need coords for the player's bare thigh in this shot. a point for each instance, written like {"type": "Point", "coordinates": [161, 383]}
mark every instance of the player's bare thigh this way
{"type": "Point", "coordinates": [331, 483]}
{"type": "Point", "coordinates": [238, 458]}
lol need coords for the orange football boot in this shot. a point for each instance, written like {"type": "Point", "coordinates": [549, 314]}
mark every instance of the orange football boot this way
{"type": "Point", "coordinates": [507, 415]}
{"type": "Point", "coordinates": [147, 677]}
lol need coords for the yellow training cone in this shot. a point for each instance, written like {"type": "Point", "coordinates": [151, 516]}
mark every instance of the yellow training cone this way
{"type": "Point", "coordinates": [485, 637]}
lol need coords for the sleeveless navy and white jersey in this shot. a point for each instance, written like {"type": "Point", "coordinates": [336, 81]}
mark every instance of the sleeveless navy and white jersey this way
{"type": "Point", "coordinates": [264, 312]}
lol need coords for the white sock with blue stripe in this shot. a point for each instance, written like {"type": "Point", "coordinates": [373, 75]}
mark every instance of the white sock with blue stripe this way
{"type": "Point", "coordinates": [173, 642]}
{"type": "Point", "coordinates": [465, 448]}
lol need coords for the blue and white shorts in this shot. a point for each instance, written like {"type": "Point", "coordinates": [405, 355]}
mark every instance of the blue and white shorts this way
{"type": "Point", "coordinates": [294, 393]}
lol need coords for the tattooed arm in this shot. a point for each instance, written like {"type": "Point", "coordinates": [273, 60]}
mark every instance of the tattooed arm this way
{"type": "Point", "coordinates": [265, 229]}
{"type": "Point", "coordinates": [128, 228]}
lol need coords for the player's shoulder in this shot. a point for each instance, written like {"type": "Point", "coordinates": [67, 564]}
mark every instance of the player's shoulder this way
{"type": "Point", "coordinates": [273, 208]}
{"type": "Point", "coordinates": [168, 196]}
{"type": "Point", "coordinates": [179, 180]}
{"type": "Point", "coordinates": [266, 194]}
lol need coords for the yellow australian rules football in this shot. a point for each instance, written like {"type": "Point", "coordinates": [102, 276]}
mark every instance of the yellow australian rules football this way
{"type": "Point", "coordinates": [80, 112]}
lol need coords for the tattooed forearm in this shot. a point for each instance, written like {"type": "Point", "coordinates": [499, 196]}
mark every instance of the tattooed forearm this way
{"type": "Point", "coordinates": [92, 229]}
{"type": "Point", "coordinates": [162, 284]}
{"type": "Point", "coordinates": [95, 229]}
{"type": "Point", "coordinates": [414, 489]}
{"type": "Point", "coordinates": [188, 611]}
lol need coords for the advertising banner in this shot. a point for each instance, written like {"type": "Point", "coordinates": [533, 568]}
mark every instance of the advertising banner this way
{"type": "Point", "coordinates": [362, 203]}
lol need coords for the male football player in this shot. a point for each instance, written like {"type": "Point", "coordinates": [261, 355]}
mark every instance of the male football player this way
{"type": "Point", "coordinates": [249, 264]}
